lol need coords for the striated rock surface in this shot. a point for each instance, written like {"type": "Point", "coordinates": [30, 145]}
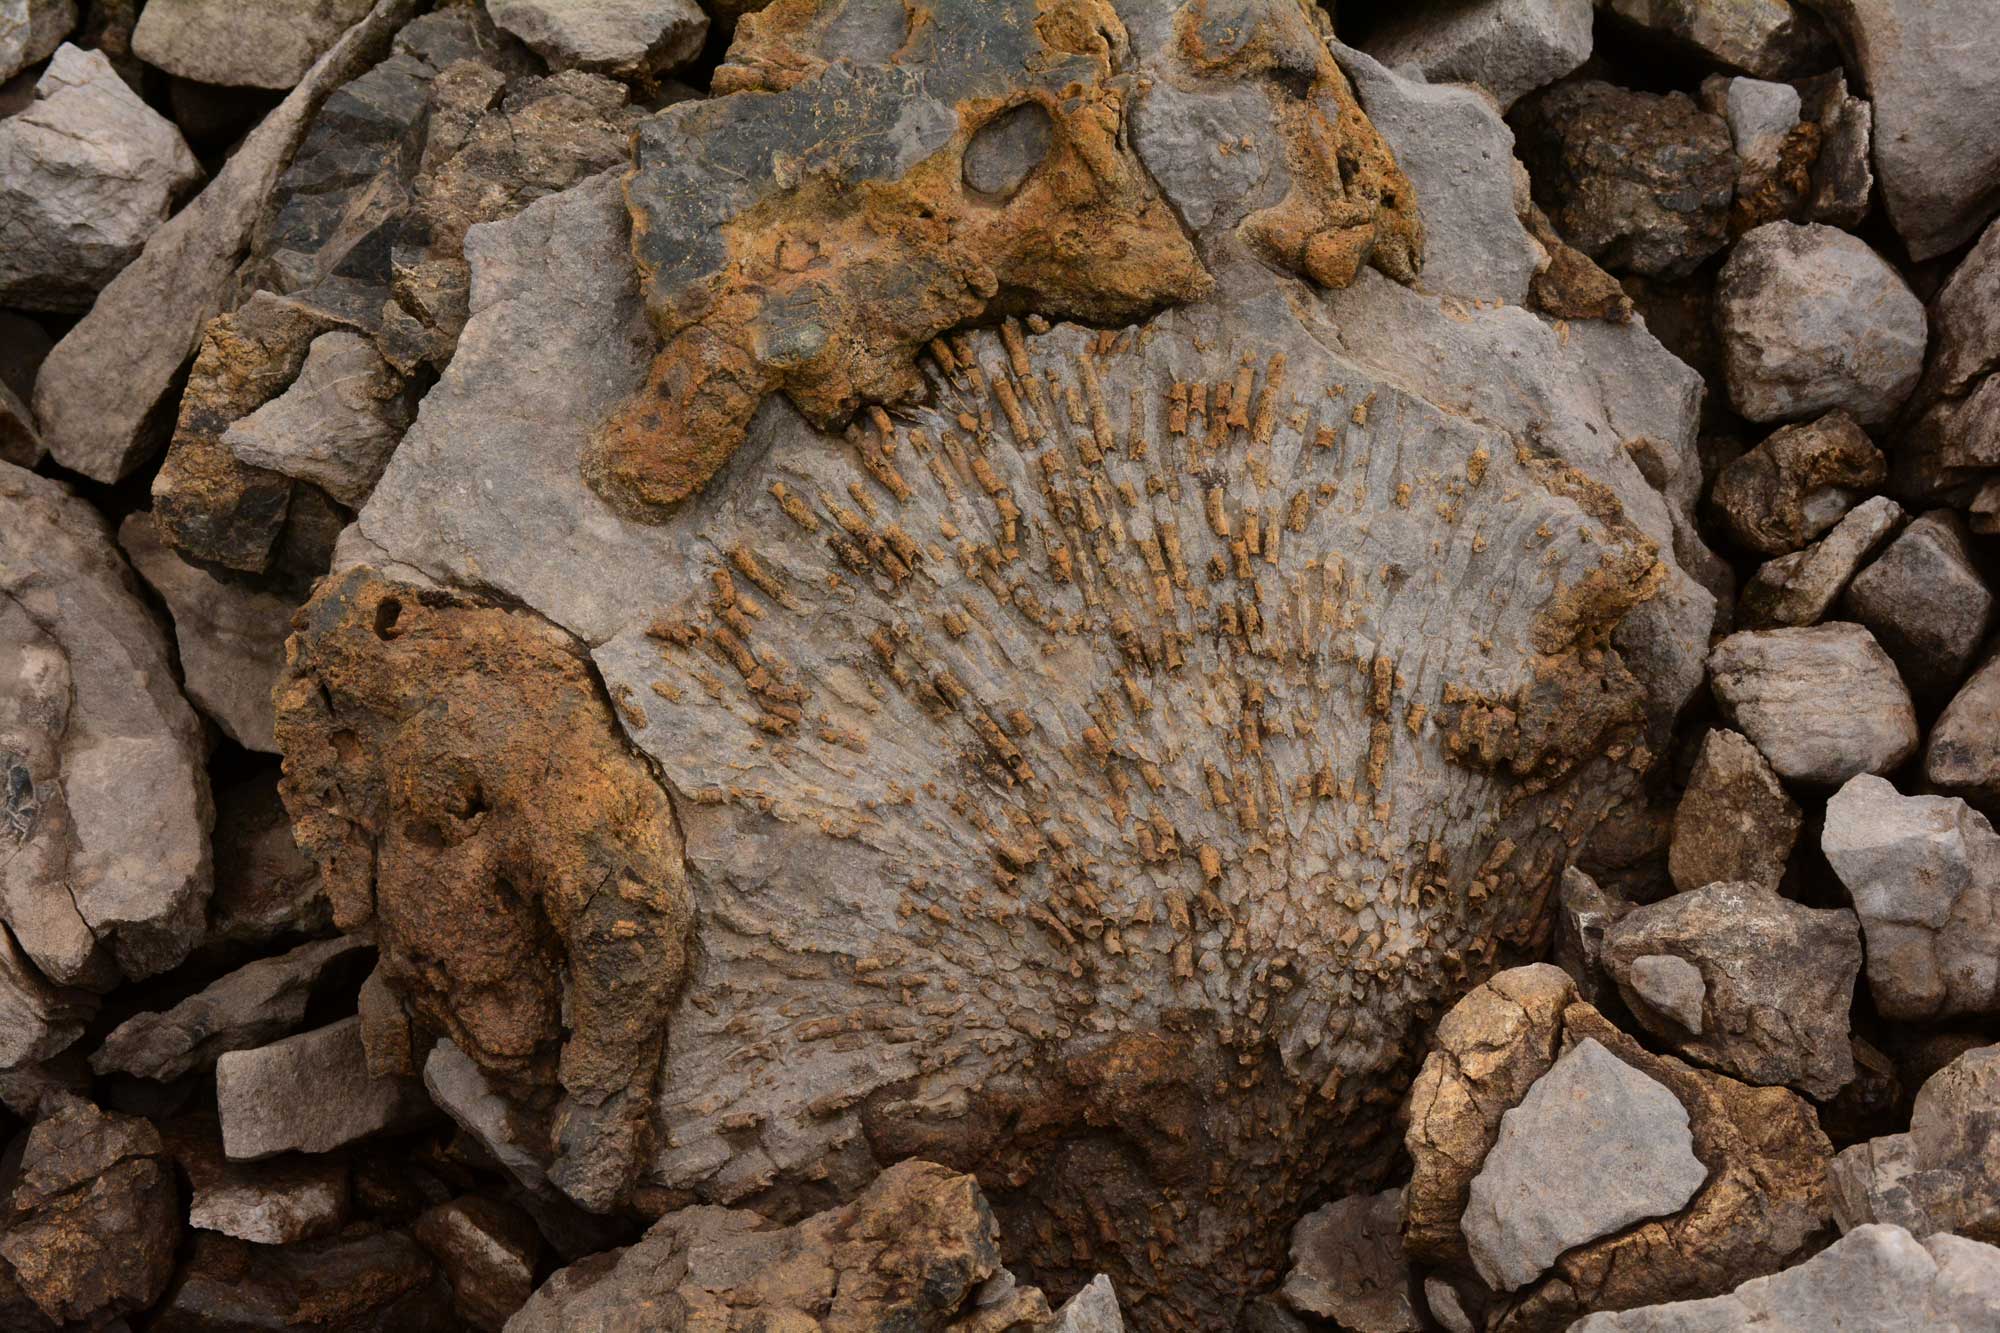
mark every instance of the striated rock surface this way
{"type": "Point", "coordinates": [1944, 1173]}
{"type": "Point", "coordinates": [1822, 704]}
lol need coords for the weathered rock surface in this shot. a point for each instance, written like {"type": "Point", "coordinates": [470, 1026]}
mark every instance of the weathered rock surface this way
{"type": "Point", "coordinates": [1924, 874]}
{"type": "Point", "coordinates": [1812, 319]}
{"type": "Point", "coordinates": [20, 439]}
{"type": "Point", "coordinates": [1843, 175]}
{"type": "Point", "coordinates": [1774, 983]}
{"type": "Point", "coordinates": [1926, 603]}
{"type": "Point", "coordinates": [1509, 49]}
{"type": "Point", "coordinates": [93, 1216]}
{"type": "Point", "coordinates": [1092, 1310]}
{"type": "Point", "coordinates": [88, 171]}
{"type": "Point", "coordinates": [310, 1093]}
{"type": "Point", "coordinates": [1775, 148]}
{"type": "Point", "coordinates": [36, 1019]}
{"type": "Point", "coordinates": [1944, 1174]}
{"type": "Point", "coordinates": [463, 1091]}
{"type": "Point", "coordinates": [1797, 483]}
{"type": "Point", "coordinates": [30, 30]}
{"type": "Point", "coordinates": [1523, 1209]}
{"type": "Point", "coordinates": [627, 38]}
{"type": "Point", "coordinates": [1952, 448]}
{"type": "Point", "coordinates": [1585, 913]}
{"type": "Point", "coordinates": [252, 1006]}
{"type": "Point", "coordinates": [487, 1250]}
{"type": "Point", "coordinates": [335, 426]}
{"type": "Point", "coordinates": [1878, 1278]}
{"type": "Point", "coordinates": [278, 1202]}
{"type": "Point", "coordinates": [1637, 181]}
{"type": "Point", "coordinates": [1962, 757]}
{"type": "Point", "coordinates": [378, 1283]}
{"type": "Point", "coordinates": [95, 883]}
{"type": "Point", "coordinates": [1801, 588]}
{"type": "Point", "coordinates": [1767, 39]}
{"type": "Point", "coordinates": [1822, 704]}
{"type": "Point", "coordinates": [270, 44]}
{"type": "Point", "coordinates": [231, 635]}
{"type": "Point", "coordinates": [1735, 822]}
{"type": "Point", "coordinates": [1932, 70]}
{"type": "Point", "coordinates": [1348, 1265]}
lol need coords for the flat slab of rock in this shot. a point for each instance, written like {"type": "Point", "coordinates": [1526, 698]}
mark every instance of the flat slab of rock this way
{"type": "Point", "coordinates": [1878, 1278]}
{"type": "Point", "coordinates": [1348, 1265]}
{"type": "Point", "coordinates": [310, 1093]}
{"type": "Point", "coordinates": [1529, 1203]}
{"type": "Point", "coordinates": [1944, 1173]}
{"type": "Point", "coordinates": [1509, 47]}
{"type": "Point", "coordinates": [1924, 875]}
{"type": "Point", "coordinates": [1822, 704]}
{"type": "Point", "coordinates": [626, 38]}
{"type": "Point", "coordinates": [1735, 822]}
{"type": "Point", "coordinates": [1813, 319]}
{"type": "Point", "coordinates": [268, 44]}
{"type": "Point", "coordinates": [1772, 983]}
{"type": "Point", "coordinates": [281, 1201]}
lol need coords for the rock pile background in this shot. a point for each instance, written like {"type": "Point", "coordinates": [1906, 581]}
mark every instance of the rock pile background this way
{"type": "Point", "coordinates": [1186, 664]}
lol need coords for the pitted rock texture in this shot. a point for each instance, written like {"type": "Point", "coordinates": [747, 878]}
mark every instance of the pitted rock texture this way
{"type": "Point", "coordinates": [455, 770]}
{"type": "Point", "coordinates": [776, 258]}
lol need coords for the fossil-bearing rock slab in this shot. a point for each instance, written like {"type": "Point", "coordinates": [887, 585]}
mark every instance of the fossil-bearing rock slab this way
{"type": "Point", "coordinates": [93, 883]}
{"type": "Point", "coordinates": [1822, 703]}
{"type": "Point", "coordinates": [1735, 822]}
{"type": "Point", "coordinates": [1944, 1173]}
{"type": "Point", "coordinates": [1348, 1265]}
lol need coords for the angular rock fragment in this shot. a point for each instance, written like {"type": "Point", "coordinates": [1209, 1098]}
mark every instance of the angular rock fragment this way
{"type": "Point", "coordinates": [30, 30]}
{"type": "Point", "coordinates": [93, 1217]}
{"type": "Point", "coordinates": [1924, 874]}
{"type": "Point", "coordinates": [1926, 603]}
{"type": "Point", "coordinates": [20, 439]}
{"type": "Point", "coordinates": [1773, 983]}
{"type": "Point", "coordinates": [269, 44]}
{"type": "Point", "coordinates": [1092, 1310]}
{"type": "Point", "coordinates": [1932, 70]}
{"type": "Point", "coordinates": [1812, 319]}
{"type": "Point", "coordinates": [1876, 1277]}
{"type": "Point", "coordinates": [462, 1090]}
{"type": "Point", "coordinates": [335, 426]}
{"type": "Point", "coordinates": [1766, 39]}
{"type": "Point", "coordinates": [625, 38]}
{"type": "Point", "coordinates": [1798, 483]}
{"type": "Point", "coordinates": [1735, 822]}
{"type": "Point", "coordinates": [1669, 986]}
{"type": "Point", "coordinates": [231, 636]}
{"type": "Point", "coordinates": [1843, 177]}
{"type": "Point", "coordinates": [282, 1201]}
{"type": "Point", "coordinates": [1524, 1208]}
{"type": "Point", "coordinates": [88, 171]}
{"type": "Point", "coordinates": [1801, 588]}
{"type": "Point", "coordinates": [1942, 1175]}
{"type": "Point", "coordinates": [94, 882]}
{"type": "Point", "coordinates": [1348, 1265]}
{"type": "Point", "coordinates": [1637, 181]}
{"type": "Point", "coordinates": [1962, 757]}
{"type": "Point", "coordinates": [36, 1019]}
{"type": "Point", "coordinates": [310, 1093]}
{"type": "Point", "coordinates": [376, 1283]}
{"type": "Point", "coordinates": [1511, 49]}
{"type": "Point", "coordinates": [1822, 704]}
{"type": "Point", "coordinates": [1775, 149]}
{"type": "Point", "coordinates": [487, 1250]}
{"type": "Point", "coordinates": [252, 1006]}
{"type": "Point", "coordinates": [1585, 914]}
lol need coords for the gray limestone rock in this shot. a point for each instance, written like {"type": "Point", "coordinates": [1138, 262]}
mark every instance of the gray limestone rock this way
{"type": "Point", "coordinates": [311, 1093]}
{"type": "Point", "coordinates": [335, 426]}
{"type": "Point", "coordinates": [1932, 70]}
{"type": "Point", "coordinates": [1926, 603]}
{"type": "Point", "coordinates": [1528, 1203]}
{"type": "Point", "coordinates": [88, 172]}
{"type": "Point", "coordinates": [1924, 874]}
{"type": "Point", "coordinates": [1770, 988]}
{"type": "Point", "coordinates": [626, 38]}
{"type": "Point", "coordinates": [1735, 821]}
{"type": "Point", "coordinates": [1797, 483]}
{"type": "Point", "coordinates": [1962, 757]}
{"type": "Point", "coordinates": [1812, 319]}
{"type": "Point", "coordinates": [1766, 39]}
{"type": "Point", "coordinates": [1944, 1173]}
{"type": "Point", "coordinates": [1348, 1265]}
{"type": "Point", "coordinates": [231, 634]}
{"type": "Point", "coordinates": [252, 1006]}
{"type": "Point", "coordinates": [1822, 703]}
{"type": "Point", "coordinates": [1876, 1279]}
{"type": "Point", "coordinates": [1092, 1310]}
{"type": "Point", "coordinates": [1585, 914]}
{"type": "Point", "coordinates": [94, 882]}
{"type": "Point", "coordinates": [101, 392]}
{"type": "Point", "coordinates": [265, 44]}
{"type": "Point", "coordinates": [30, 30]}
{"type": "Point", "coordinates": [1801, 588]}
{"type": "Point", "coordinates": [1510, 47]}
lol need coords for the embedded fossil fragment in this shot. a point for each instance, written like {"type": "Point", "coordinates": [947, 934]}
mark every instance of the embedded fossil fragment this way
{"type": "Point", "coordinates": [456, 772]}
{"type": "Point", "coordinates": [812, 231]}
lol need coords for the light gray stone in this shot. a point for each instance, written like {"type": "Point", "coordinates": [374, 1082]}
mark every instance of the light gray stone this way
{"type": "Point", "coordinates": [1348, 1265]}
{"type": "Point", "coordinates": [1735, 977]}
{"type": "Point", "coordinates": [1529, 1203]}
{"type": "Point", "coordinates": [1932, 70]}
{"type": "Point", "coordinates": [37, 1020]}
{"type": "Point", "coordinates": [1812, 319]}
{"type": "Point", "coordinates": [1767, 39]}
{"type": "Point", "coordinates": [88, 172]}
{"type": "Point", "coordinates": [335, 426]}
{"type": "Point", "coordinates": [619, 37]}
{"type": "Point", "coordinates": [252, 1006]}
{"type": "Point", "coordinates": [100, 394]}
{"type": "Point", "coordinates": [311, 1093]}
{"type": "Point", "coordinates": [281, 1201]}
{"type": "Point", "coordinates": [1821, 703]}
{"type": "Point", "coordinates": [1876, 1279]}
{"type": "Point", "coordinates": [30, 30]}
{"type": "Point", "coordinates": [461, 1090]}
{"type": "Point", "coordinates": [1944, 1173]}
{"type": "Point", "coordinates": [94, 882]}
{"type": "Point", "coordinates": [1924, 875]}
{"type": "Point", "coordinates": [1446, 1306]}
{"type": "Point", "coordinates": [1926, 603]}
{"type": "Point", "coordinates": [265, 44]}
{"type": "Point", "coordinates": [1735, 821]}
{"type": "Point", "coordinates": [1092, 1310]}
{"type": "Point", "coordinates": [231, 634]}
{"type": "Point", "coordinates": [1509, 47]}
{"type": "Point", "coordinates": [1962, 757]}
{"type": "Point", "coordinates": [1800, 588]}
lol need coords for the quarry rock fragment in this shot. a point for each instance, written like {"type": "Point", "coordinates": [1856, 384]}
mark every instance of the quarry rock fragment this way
{"type": "Point", "coordinates": [334, 426]}
{"type": "Point", "coordinates": [1348, 1265]}
{"type": "Point", "coordinates": [270, 44]}
{"type": "Point", "coordinates": [1766, 39]}
{"type": "Point", "coordinates": [626, 38]}
{"type": "Point", "coordinates": [1822, 704]}
{"type": "Point", "coordinates": [1510, 49]}
{"type": "Point", "coordinates": [379, 1282]}
{"type": "Point", "coordinates": [310, 1093]}
{"type": "Point", "coordinates": [487, 1250]}
{"type": "Point", "coordinates": [1797, 483]}
{"type": "Point", "coordinates": [1962, 757]}
{"type": "Point", "coordinates": [1801, 588]}
{"type": "Point", "coordinates": [1926, 603]}
{"type": "Point", "coordinates": [1735, 821]}
{"type": "Point", "coordinates": [30, 30]}
{"type": "Point", "coordinates": [1941, 1175]}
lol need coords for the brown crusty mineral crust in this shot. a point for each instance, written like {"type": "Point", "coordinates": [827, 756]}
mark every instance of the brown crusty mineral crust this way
{"type": "Point", "coordinates": [455, 769]}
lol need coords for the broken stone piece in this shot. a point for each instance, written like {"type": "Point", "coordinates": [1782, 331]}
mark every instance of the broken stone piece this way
{"type": "Point", "coordinates": [1669, 986]}
{"type": "Point", "coordinates": [281, 1201]}
{"type": "Point", "coordinates": [310, 1093]}
{"type": "Point", "coordinates": [1926, 603]}
{"type": "Point", "coordinates": [269, 44]}
{"type": "Point", "coordinates": [625, 38]}
{"type": "Point", "coordinates": [1510, 49]}
{"type": "Point", "coordinates": [487, 1250]}
{"type": "Point", "coordinates": [1801, 588]}
{"type": "Point", "coordinates": [335, 426]}
{"type": "Point", "coordinates": [1822, 704]}
{"type": "Point", "coordinates": [1798, 482]}
{"type": "Point", "coordinates": [1348, 1265]}
{"type": "Point", "coordinates": [382, 1282]}
{"type": "Point", "coordinates": [1963, 755]}
{"type": "Point", "coordinates": [1735, 821]}
{"type": "Point", "coordinates": [1944, 1173]}
{"type": "Point", "coordinates": [1766, 39]}
{"type": "Point", "coordinates": [30, 30]}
